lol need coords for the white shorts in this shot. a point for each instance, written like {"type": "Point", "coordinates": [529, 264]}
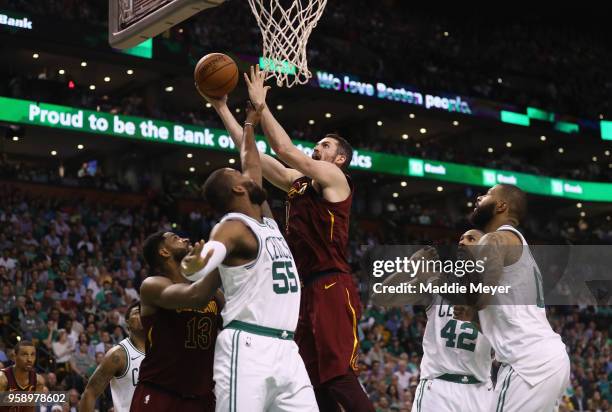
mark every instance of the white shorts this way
{"type": "Point", "coordinates": [255, 373]}
{"type": "Point", "coordinates": [514, 394]}
{"type": "Point", "coordinates": [437, 395]}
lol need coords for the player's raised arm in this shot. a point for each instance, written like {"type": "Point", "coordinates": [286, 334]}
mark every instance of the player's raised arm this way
{"type": "Point", "coordinates": [162, 292]}
{"type": "Point", "coordinates": [328, 174]}
{"type": "Point", "coordinates": [250, 159]}
{"type": "Point", "coordinates": [113, 364]}
{"type": "Point", "coordinates": [273, 170]}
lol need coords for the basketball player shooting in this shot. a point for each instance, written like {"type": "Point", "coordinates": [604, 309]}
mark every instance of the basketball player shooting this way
{"type": "Point", "coordinates": [119, 367]}
{"type": "Point", "coordinates": [257, 364]}
{"type": "Point", "coordinates": [319, 197]}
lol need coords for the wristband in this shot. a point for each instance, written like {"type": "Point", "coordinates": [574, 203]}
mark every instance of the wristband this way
{"type": "Point", "coordinates": [249, 124]}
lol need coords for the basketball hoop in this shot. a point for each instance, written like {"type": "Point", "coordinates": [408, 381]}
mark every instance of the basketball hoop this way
{"type": "Point", "coordinates": [285, 32]}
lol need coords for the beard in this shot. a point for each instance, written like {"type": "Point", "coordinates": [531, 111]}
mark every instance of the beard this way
{"type": "Point", "coordinates": [179, 254]}
{"type": "Point", "coordinates": [482, 215]}
{"type": "Point", "coordinates": [316, 155]}
{"type": "Point", "coordinates": [257, 194]}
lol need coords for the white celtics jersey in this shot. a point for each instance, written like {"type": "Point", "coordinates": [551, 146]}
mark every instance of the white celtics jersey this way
{"type": "Point", "coordinates": [266, 291]}
{"type": "Point", "coordinates": [520, 333]}
{"type": "Point", "coordinates": [451, 346]}
{"type": "Point", "coordinates": [122, 387]}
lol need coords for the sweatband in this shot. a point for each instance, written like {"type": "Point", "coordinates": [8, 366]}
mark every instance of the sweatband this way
{"type": "Point", "coordinates": [218, 255]}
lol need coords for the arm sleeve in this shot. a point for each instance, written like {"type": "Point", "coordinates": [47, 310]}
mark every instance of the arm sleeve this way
{"type": "Point", "coordinates": [219, 253]}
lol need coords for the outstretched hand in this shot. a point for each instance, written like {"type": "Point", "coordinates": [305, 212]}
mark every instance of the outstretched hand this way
{"type": "Point", "coordinates": [194, 261]}
{"type": "Point", "coordinates": [216, 102]}
{"type": "Point", "coordinates": [255, 85]}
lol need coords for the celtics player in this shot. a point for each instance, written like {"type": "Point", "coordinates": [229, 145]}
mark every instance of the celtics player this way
{"type": "Point", "coordinates": [456, 364]}
{"type": "Point", "coordinates": [257, 364]}
{"type": "Point", "coordinates": [535, 366]}
{"type": "Point", "coordinates": [119, 368]}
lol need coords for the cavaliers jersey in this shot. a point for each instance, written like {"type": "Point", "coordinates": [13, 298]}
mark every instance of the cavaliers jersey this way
{"type": "Point", "coordinates": [265, 291]}
{"type": "Point", "coordinates": [179, 349]}
{"type": "Point", "coordinates": [317, 230]}
{"type": "Point", "coordinates": [123, 386]}
{"type": "Point", "coordinates": [13, 386]}
{"type": "Point", "coordinates": [520, 332]}
{"type": "Point", "coordinates": [452, 346]}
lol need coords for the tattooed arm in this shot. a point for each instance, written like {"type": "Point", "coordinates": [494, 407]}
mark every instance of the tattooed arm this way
{"type": "Point", "coordinates": [113, 364]}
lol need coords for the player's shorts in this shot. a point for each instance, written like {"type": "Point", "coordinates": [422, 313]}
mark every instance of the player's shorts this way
{"type": "Point", "coordinates": [440, 395]}
{"type": "Point", "coordinates": [327, 327]}
{"type": "Point", "coordinates": [260, 369]}
{"type": "Point", "coordinates": [150, 398]}
{"type": "Point", "coordinates": [514, 394]}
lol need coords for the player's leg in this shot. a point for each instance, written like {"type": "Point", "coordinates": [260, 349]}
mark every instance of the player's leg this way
{"type": "Point", "coordinates": [304, 337]}
{"type": "Point", "coordinates": [436, 395]}
{"type": "Point", "coordinates": [514, 394]}
{"type": "Point", "coordinates": [150, 399]}
{"type": "Point", "coordinates": [478, 397]}
{"type": "Point", "coordinates": [240, 370]}
{"type": "Point", "coordinates": [348, 392]}
{"type": "Point", "coordinates": [293, 391]}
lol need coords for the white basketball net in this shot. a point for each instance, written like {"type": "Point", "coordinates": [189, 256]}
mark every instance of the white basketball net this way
{"type": "Point", "coordinates": [285, 32]}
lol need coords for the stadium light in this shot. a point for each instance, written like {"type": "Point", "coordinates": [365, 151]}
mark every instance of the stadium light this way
{"type": "Point", "coordinates": [607, 153]}
{"type": "Point", "coordinates": [423, 130]}
{"type": "Point", "coordinates": [130, 72]}
{"type": "Point", "coordinates": [169, 89]}
{"type": "Point", "coordinates": [328, 115]}
{"type": "Point", "coordinates": [455, 123]}
{"type": "Point", "coordinates": [232, 161]}
{"type": "Point", "coordinates": [189, 155]}
{"type": "Point", "coordinates": [582, 214]}
{"type": "Point", "coordinates": [500, 80]}
{"type": "Point", "coordinates": [208, 105]}
{"type": "Point", "coordinates": [543, 138]}
{"type": "Point", "coordinates": [237, 109]}
{"type": "Point", "coordinates": [440, 188]}
{"type": "Point", "coordinates": [404, 183]}
{"type": "Point", "coordinates": [107, 79]}
{"type": "Point", "coordinates": [379, 123]}
{"type": "Point", "coordinates": [192, 169]}
{"type": "Point", "coordinates": [80, 147]}
{"type": "Point", "coordinates": [92, 87]}
{"type": "Point", "coordinates": [470, 204]}
{"type": "Point", "coordinates": [601, 116]}
{"type": "Point", "coordinates": [186, 182]}
{"type": "Point", "coordinates": [418, 145]}
{"type": "Point", "coordinates": [395, 195]}
{"type": "Point", "coordinates": [61, 71]}
{"type": "Point", "coordinates": [311, 121]}
{"type": "Point", "coordinates": [490, 150]}
{"type": "Point", "coordinates": [83, 64]}
{"type": "Point", "coordinates": [15, 138]}
{"type": "Point", "coordinates": [405, 136]}
{"type": "Point", "coordinates": [561, 150]}
{"type": "Point", "coordinates": [445, 34]}
{"type": "Point", "coordinates": [508, 144]}
{"type": "Point", "coordinates": [578, 205]}
{"type": "Point", "coordinates": [53, 153]}
{"type": "Point", "coordinates": [594, 158]}
{"type": "Point", "coordinates": [279, 107]}
{"type": "Point", "coordinates": [35, 56]}
{"type": "Point", "coordinates": [411, 115]}
{"type": "Point", "coordinates": [360, 106]}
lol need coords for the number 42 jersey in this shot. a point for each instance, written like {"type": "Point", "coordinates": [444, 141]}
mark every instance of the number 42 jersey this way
{"type": "Point", "coordinates": [265, 291]}
{"type": "Point", "coordinates": [451, 346]}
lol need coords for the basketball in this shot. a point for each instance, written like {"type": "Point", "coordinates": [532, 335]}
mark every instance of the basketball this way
{"type": "Point", "coordinates": [216, 75]}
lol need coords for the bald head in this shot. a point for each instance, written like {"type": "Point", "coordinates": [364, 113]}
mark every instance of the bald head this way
{"type": "Point", "coordinates": [516, 200]}
{"type": "Point", "coordinates": [218, 189]}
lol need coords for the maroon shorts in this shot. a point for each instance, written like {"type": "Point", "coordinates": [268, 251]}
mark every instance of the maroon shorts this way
{"type": "Point", "coordinates": [327, 328]}
{"type": "Point", "coordinates": [148, 398]}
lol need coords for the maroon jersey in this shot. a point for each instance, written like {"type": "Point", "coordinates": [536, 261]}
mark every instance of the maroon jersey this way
{"type": "Point", "coordinates": [180, 349]}
{"type": "Point", "coordinates": [13, 386]}
{"type": "Point", "coordinates": [317, 230]}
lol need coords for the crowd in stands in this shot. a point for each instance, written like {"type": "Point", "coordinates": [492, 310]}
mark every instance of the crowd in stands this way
{"type": "Point", "coordinates": [69, 267]}
{"type": "Point", "coordinates": [556, 61]}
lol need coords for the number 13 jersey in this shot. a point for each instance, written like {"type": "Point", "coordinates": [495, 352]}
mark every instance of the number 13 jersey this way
{"type": "Point", "coordinates": [265, 291]}
{"type": "Point", "coordinates": [451, 346]}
